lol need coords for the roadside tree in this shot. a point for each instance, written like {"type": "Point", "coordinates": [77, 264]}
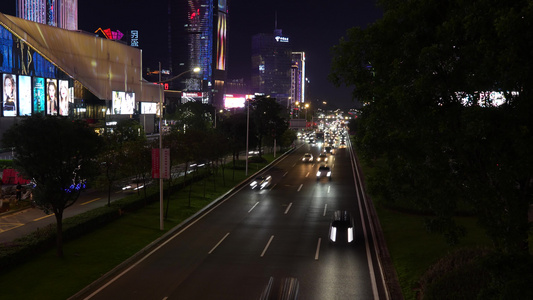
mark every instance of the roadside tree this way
{"type": "Point", "coordinates": [58, 155]}
{"type": "Point", "coordinates": [448, 104]}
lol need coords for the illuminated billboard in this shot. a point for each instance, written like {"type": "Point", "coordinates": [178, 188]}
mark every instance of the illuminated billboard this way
{"type": "Point", "coordinates": [187, 97]}
{"type": "Point", "coordinates": [64, 97]}
{"type": "Point", "coordinates": [24, 95]}
{"type": "Point", "coordinates": [235, 101]}
{"type": "Point", "coordinates": [9, 99]}
{"type": "Point", "coordinates": [123, 103]}
{"type": "Point", "coordinates": [221, 42]}
{"type": "Point", "coordinates": [38, 95]}
{"type": "Point", "coordinates": [51, 97]}
{"type": "Point", "coordinates": [149, 108]}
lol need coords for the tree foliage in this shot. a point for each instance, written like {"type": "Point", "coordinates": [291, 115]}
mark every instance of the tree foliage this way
{"type": "Point", "coordinates": [57, 154]}
{"type": "Point", "coordinates": [424, 72]}
{"type": "Point", "coordinates": [268, 117]}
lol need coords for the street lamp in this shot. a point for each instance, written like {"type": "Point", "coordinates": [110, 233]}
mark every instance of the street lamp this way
{"type": "Point", "coordinates": [247, 132]}
{"type": "Point", "coordinates": [306, 107]}
{"type": "Point", "coordinates": [195, 70]}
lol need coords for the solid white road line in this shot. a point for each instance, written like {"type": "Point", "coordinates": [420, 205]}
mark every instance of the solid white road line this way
{"type": "Point", "coordinates": [317, 248]}
{"type": "Point", "coordinates": [288, 207]}
{"type": "Point", "coordinates": [218, 243]}
{"type": "Point", "coordinates": [268, 244]}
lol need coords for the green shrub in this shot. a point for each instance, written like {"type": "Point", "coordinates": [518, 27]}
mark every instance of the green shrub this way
{"type": "Point", "coordinates": [458, 275]}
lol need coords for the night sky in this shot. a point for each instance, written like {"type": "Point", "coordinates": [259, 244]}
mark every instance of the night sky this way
{"type": "Point", "coordinates": [312, 28]}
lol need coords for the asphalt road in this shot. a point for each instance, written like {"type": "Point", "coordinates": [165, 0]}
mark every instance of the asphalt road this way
{"type": "Point", "coordinates": [235, 248]}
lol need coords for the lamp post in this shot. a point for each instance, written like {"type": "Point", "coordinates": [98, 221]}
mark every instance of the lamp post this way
{"type": "Point", "coordinates": [247, 131]}
{"type": "Point", "coordinates": [195, 70]}
{"type": "Point", "coordinates": [306, 107]}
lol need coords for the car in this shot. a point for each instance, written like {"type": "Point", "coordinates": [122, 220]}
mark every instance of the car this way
{"type": "Point", "coordinates": [322, 157]}
{"type": "Point", "coordinates": [261, 182]}
{"type": "Point", "coordinates": [308, 157]}
{"type": "Point", "coordinates": [341, 228]}
{"type": "Point", "coordinates": [323, 171]}
{"type": "Point", "coordinates": [329, 150]}
{"type": "Point", "coordinates": [342, 145]}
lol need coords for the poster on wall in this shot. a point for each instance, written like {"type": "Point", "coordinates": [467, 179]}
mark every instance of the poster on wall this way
{"type": "Point", "coordinates": [9, 99]}
{"type": "Point", "coordinates": [51, 97]}
{"type": "Point", "coordinates": [24, 95]}
{"type": "Point", "coordinates": [38, 95]}
{"type": "Point", "coordinates": [64, 97]}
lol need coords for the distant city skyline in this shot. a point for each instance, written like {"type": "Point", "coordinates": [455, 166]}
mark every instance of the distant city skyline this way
{"type": "Point", "coordinates": [313, 28]}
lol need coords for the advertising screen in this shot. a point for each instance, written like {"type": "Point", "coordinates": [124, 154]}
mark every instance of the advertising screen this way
{"type": "Point", "coordinates": [38, 95]}
{"type": "Point", "coordinates": [221, 42]}
{"type": "Point", "coordinates": [118, 98]}
{"type": "Point", "coordinates": [64, 97]}
{"type": "Point", "coordinates": [24, 95]}
{"type": "Point", "coordinates": [149, 108]}
{"type": "Point", "coordinates": [123, 103]}
{"type": "Point", "coordinates": [51, 97]}
{"type": "Point", "coordinates": [235, 101]}
{"type": "Point", "coordinates": [9, 99]}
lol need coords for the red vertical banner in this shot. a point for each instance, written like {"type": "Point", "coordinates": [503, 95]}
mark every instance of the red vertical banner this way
{"type": "Point", "coordinates": [157, 169]}
{"type": "Point", "coordinates": [155, 163]}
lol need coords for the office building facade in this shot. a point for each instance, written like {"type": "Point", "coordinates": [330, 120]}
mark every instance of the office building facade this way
{"type": "Point", "coordinates": [58, 13]}
{"type": "Point", "coordinates": [271, 65]}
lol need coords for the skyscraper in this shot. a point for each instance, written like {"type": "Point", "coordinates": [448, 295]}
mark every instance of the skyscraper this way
{"type": "Point", "coordinates": [198, 39]}
{"type": "Point", "coordinates": [59, 13]}
{"type": "Point", "coordinates": [298, 78]}
{"type": "Point", "coordinates": [271, 65]}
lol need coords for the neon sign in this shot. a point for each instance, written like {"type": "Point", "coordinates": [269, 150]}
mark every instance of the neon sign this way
{"type": "Point", "coordinates": [281, 39]}
{"type": "Point", "coordinates": [111, 35]}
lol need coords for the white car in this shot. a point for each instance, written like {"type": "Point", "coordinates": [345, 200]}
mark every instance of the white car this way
{"type": "Point", "coordinates": [261, 182]}
{"type": "Point", "coordinates": [308, 157]}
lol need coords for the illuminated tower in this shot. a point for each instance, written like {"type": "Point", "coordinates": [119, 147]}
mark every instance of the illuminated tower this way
{"type": "Point", "coordinates": [59, 13]}
{"type": "Point", "coordinates": [198, 39]}
{"type": "Point", "coordinates": [297, 78]}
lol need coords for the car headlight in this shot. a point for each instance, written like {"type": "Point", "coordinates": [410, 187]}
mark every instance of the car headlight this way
{"type": "Point", "coordinates": [333, 234]}
{"type": "Point", "coordinates": [318, 174]}
{"type": "Point", "coordinates": [253, 184]}
{"type": "Point", "coordinates": [329, 174]}
{"type": "Point", "coordinates": [350, 234]}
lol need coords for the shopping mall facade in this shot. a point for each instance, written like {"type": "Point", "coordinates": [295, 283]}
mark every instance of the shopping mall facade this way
{"type": "Point", "coordinates": [52, 71]}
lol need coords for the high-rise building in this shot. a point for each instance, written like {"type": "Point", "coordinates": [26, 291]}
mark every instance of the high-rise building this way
{"type": "Point", "coordinates": [297, 78]}
{"type": "Point", "coordinates": [271, 65]}
{"type": "Point", "coordinates": [58, 13]}
{"type": "Point", "coordinates": [198, 39]}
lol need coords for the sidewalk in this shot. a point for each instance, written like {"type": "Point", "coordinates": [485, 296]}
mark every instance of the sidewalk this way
{"type": "Point", "coordinates": [16, 223]}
